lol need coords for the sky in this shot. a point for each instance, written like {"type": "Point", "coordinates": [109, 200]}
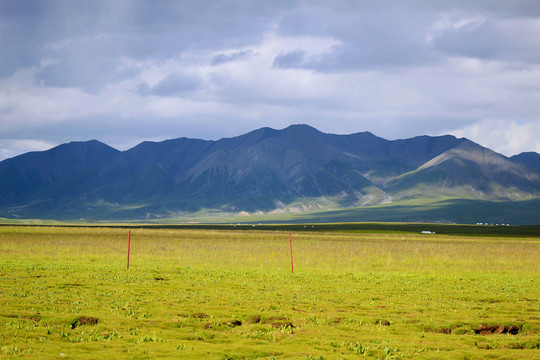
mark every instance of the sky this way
{"type": "Point", "coordinates": [123, 72]}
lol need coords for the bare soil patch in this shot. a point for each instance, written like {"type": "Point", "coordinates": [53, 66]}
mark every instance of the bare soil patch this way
{"type": "Point", "coordinates": [233, 323]}
{"type": "Point", "coordinates": [254, 319]}
{"type": "Point", "coordinates": [490, 329]}
{"type": "Point", "coordinates": [84, 320]}
{"type": "Point", "coordinates": [498, 329]}
{"type": "Point", "coordinates": [200, 316]}
{"type": "Point", "coordinates": [282, 324]}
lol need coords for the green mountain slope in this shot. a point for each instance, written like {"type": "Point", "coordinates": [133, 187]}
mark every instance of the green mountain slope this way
{"type": "Point", "coordinates": [274, 171]}
{"type": "Point", "coordinates": [468, 171]}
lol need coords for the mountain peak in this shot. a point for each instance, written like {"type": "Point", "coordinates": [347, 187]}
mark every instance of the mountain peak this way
{"type": "Point", "coordinates": [301, 129]}
{"type": "Point", "coordinates": [300, 126]}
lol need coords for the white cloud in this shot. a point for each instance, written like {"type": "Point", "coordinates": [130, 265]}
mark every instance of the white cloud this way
{"type": "Point", "coordinates": [506, 137]}
{"type": "Point", "coordinates": [13, 147]}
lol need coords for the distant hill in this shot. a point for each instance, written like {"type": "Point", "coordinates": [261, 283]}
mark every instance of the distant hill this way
{"type": "Point", "coordinates": [531, 159]}
{"type": "Point", "coordinates": [296, 169]}
{"type": "Point", "coordinates": [468, 171]}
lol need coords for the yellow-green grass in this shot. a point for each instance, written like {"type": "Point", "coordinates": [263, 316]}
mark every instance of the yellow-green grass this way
{"type": "Point", "coordinates": [219, 294]}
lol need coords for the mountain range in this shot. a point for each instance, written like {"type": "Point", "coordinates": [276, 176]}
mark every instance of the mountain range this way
{"type": "Point", "coordinates": [294, 170]}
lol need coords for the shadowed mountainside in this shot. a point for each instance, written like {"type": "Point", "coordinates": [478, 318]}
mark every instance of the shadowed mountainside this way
{"type": "Point", "coordinates": [295, 169]}
{"type": "Point", "coordinates": [530, 159]}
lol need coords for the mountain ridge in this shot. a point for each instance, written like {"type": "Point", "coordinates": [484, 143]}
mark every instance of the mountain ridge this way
{"type": "Point", "coordinates": [264, 170]}
{"type": "Point", "coordinates": [530, 158]}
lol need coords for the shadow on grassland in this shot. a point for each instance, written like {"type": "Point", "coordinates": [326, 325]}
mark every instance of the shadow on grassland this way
{"type": "Point", "coordinates": [444, 211]}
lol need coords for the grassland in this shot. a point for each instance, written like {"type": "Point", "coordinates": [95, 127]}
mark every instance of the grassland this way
{"type": "Point", "coordinates": [65, 292]}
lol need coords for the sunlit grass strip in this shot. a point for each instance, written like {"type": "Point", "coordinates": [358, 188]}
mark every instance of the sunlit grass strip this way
{"type": "Point", "coordinates": [270, 249]}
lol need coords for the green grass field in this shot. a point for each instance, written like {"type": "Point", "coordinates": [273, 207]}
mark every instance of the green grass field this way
{"type": "Point", "coordinates": [65, 293]}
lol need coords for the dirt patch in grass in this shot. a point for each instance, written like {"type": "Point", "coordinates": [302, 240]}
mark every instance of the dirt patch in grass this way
{"type": "Point", "coordinates": [84, 320]}
{"type": "Point", "coordinates": [159, 278]}
{"type": "Point", "coordinates": [498, 329]}
{"type": "Point", "coordinates": [282, 324]}
{"type": "Point", "coordinates": [35, 318]}
{"type": "Point", "coordinates": [200, 316]}
{"type": "Point", "coordinates": [234, 323]}
{"type": "Point", "coordinates": [279, 322]}
{"type": "Point", "coordinates": [461, 329]}
{"type": "Point", "coordinates": [443, 330]}
{"type": "Point", "coordinates": [227, 323]}
{"type": "Point", "coordinates": [254, 319]}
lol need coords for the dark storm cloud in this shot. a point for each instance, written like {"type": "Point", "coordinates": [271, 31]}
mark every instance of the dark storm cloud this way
{"type": "Point", "coordinates": [369, 39]}
{"type": "Point", "coordinates": [87, 38]}
{"type": "Point", "coordinates": [27, 27]}
{"type": "Point", "coordinates": [493, 40]}
{"type": "Point", "coordinates": [504, 8]}
{"type": "Point", "coordinates": [500, 8]}
{"type": "Point", "coordinates": [398, 36]}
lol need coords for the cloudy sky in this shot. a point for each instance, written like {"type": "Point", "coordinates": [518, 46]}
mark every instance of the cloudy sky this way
{"type": "Point", "coordinates": [126, 71]}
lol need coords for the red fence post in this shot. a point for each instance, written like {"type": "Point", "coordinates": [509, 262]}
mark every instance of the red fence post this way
{"type": "Point", "coordinates": [129, 243]}
{"type": "Point", "coordinates": [292, 264]}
